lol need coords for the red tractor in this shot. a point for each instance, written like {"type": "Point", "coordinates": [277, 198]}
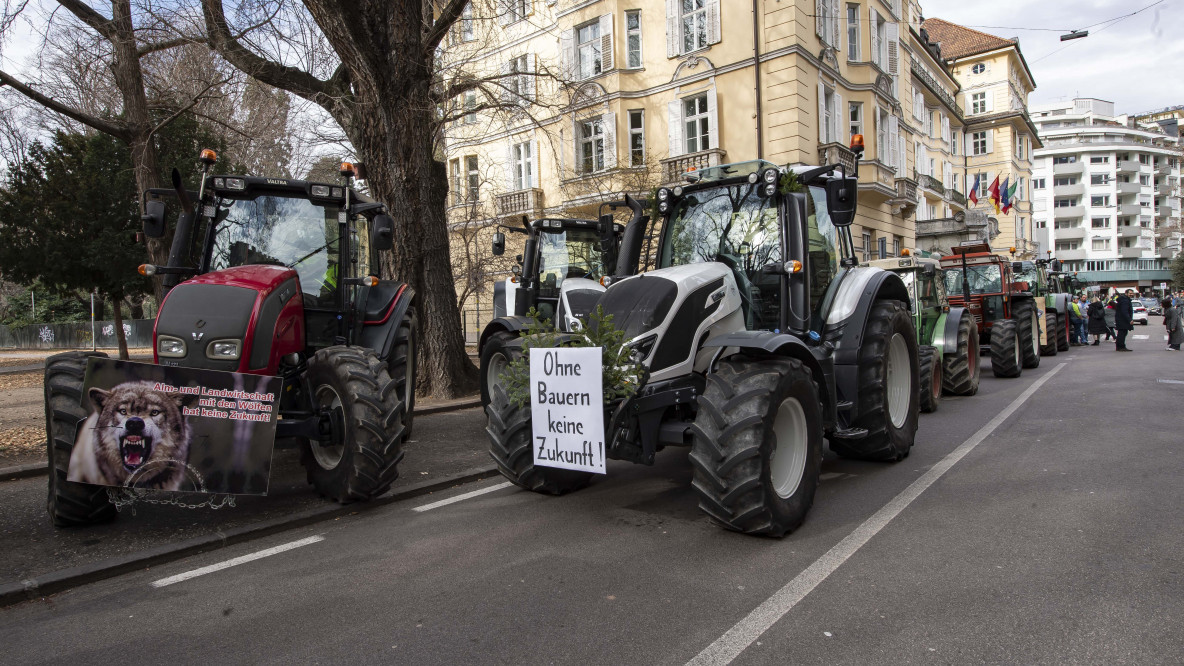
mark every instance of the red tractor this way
{"type": "Point", "coordinates": [1006, 311]}
{"type": "Point", "coordinates": [274, 277]}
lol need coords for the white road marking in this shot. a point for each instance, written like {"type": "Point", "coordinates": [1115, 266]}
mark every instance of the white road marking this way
{"type": "Point", "coordinates": [237, 561]}
{"type": "Point", "coordinates": [743, 633]}
{"type": "Point", "coordinates": [1140, 337]}
{"type": "Point", "coordinates": [461, 498]}
{"type": "Point", "coordinates": [1170, 381]}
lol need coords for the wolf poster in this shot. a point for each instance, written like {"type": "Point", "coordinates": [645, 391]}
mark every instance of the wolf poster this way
{"type": "Point", "coordinates": [175, 429]}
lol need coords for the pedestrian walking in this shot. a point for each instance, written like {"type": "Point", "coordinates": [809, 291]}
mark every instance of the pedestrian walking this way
{"type": "Point", "coordinates": [1097, 320]}
{"type": "Point", "coordinates": [1171, 322]}
{"type": "Point", "coordinates": [1110, 318]}
{"type": "Point", "coordinates": [1124, 315]}
{"type": "Point", "coordinates": [1083, 308]}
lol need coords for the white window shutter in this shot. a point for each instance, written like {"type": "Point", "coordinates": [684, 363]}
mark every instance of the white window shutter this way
{"type": "Point", "coordinates": [893, 34]}
{"type": "Point", "coordinates": [836, 38]}
{"type": "Point", "coordinates": [821, 112]}
{"type": "Point", "coordinates": [872, 15]}
{"type": "Point", "coordinates": [945, 127]}
{"type": "Point", "coordinates": [673, 32]}
{"type": "Point", "coordinates": [893, 141]}
{"type": "Point", "coordinates": [608, 124]}
{"type": "Point", "coordinates": [606, 42]}
{"type": "Point", "coordinates": [990, 100]}
{"type": "Point", "coordinates": [820, 18]}
{"type": "Point", "coordinates": [712, 119]}
{"type": "Point", "coordinates": [990, 141]}
{"type": "Point", "coordinates": [674, 132]}
{"type": "Point", "coordinates": [969, 137]}
{"type": "Point", "coordinates": [567, 49]}
{"type": "Point", "coordinates": [837, 118]}
{"type": "Point", "coordinates": [536, 163]}
{"type": "Point", "coordinates": [714, 32]}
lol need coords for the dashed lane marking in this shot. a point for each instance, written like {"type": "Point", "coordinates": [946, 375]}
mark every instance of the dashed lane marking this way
{"type": "Point", "coordinates": [461, 498]}
{"type": "Point", "coordinates": [746, 631]}
{"type": "Point", "coordinates": [1140, 337]}
{"type": "Point", "coordinates": [237, 561]}
{"type": "Point", "coordinates": [1170, 381]}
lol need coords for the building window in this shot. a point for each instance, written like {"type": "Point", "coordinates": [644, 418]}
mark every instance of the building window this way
{"type": "Point", "coordinates": [470, 108]}
{"type": "Point", "coordinates": [516, 10]}
{"type": "Point", "coordinates": [1097, 179]}
{"type": "Point", "coordinates": [588, 50]}
{"type": "Point", "coordinates": [1065, 159]}
{"type": "Point", "coordinates": [855, 117]}
{"type": "Point", "coordinates": [1101, 243]}
{"type": "Point", "coordinates": [696, 123]}
{"type": "Point", "coordinates": [523, 166]}
{"type": "Point", "coordinates": [694, 25]}
{"type": "Point", "coordinates": [1099, 201]}
{"type": "Point", "coordinates": [636, 137]}
{"type": "Point", "coordinates": [1064, 180]}
{"type": "Point", "coordinates": [1038, 183]}
{"type": "Point", "coordinates": [591, 144]}
{"type": "Point", "coordinates": [828, 115]}
{"type": "Point", "coordinates": [1064, 202]}
{"type": "Point", "coordinates": [466, 24]}
{"type": "Point", "coordinates": [1021, 229]}
{"type": "Point", "coordinates": [1020, 144]}
{"type": "Point", "coordinates": [517, 81]}
{"type": "Point", "coordinates": [474, 178]}
{"type": "Point", "coordinates": [978, 143]}
{"type": "Point", "coordinates": [896, 246]}
{"type": "Point", "coordinates": [1100, 222]}
{"type": "Point", "coordinates": [633, 38]}
{"type": "Point", "coordinates": [853, 32]}
{"type": "Point", "coordinates": [955, 139]}
{"type": "Point", "coordinates": [978, 102]}
{"type": "Point", "coordinates": [978, 68]}
{"type": "Point", "coordinates": [456, 183]}
{"type": "Point", "coordinates": [867, 246]}
{"type": "Point", "coordinates": [1061, 246]}
{"type": "Point", "coordinates": [1099, 159]}
{"type": "Point", "coordinates": [883, 249]}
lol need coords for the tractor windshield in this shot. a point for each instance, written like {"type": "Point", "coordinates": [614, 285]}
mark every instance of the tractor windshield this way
{"type": "Point", "coordinates": [281, 231]}
{"type": "Point", "coordinates": [985, 279]}
{"type": "Point", "coordinates": [570, 253]}
{"type": "Point", "coordinates": [730, 224]}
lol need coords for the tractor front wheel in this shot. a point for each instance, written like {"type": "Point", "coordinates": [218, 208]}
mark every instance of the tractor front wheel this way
{"type": "Point", "coordinates": [1063, 334]}
{"type": "Point", "coordinates": [1028, 328]}
{"type": "Point", "coordinates": [495, 356]}
{"type": "Point", "coordinates": [359, 458]}
{"type": "Point", "coordinates": [962, 368]}
{"type": "Point", "coordinates": [757, 445]}
{"type": "Point", "coordinates": [1006, 355]}
{"type": "Point", "coordinates": [69, 504]}
{"type": "Point", "coordinates": [401, 366]}
{"type": "Point", "coordinates": [929, 373]}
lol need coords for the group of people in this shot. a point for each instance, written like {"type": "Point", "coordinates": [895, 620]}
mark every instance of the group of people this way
{"type": "Point", "coordinates": [1114, 317]}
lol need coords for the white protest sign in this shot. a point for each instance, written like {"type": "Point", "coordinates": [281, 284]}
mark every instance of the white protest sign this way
{"type": "Point", "coordinates": [567, 408]}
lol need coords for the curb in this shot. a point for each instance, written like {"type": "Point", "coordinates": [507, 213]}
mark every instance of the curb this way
{"type": "Point", "coordinates": [37, 469]}
{"type": "Point", "coordinates": [64, 579]}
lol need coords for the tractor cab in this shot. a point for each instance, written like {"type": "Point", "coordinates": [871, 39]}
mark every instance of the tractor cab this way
{"type": "Point", "coordinates": [979, 280]}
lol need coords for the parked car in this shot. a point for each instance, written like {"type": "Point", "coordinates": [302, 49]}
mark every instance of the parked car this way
{"type": "Point", "coordinates": [1140, 316]}
{"type": "Point", "coordinates": [1153, 306]}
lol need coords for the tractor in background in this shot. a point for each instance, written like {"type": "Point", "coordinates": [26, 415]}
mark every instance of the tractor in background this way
{"type": "Point", "coordinates": [1046, 282]}
{"type": "Point", "coordinates": [277, 277]}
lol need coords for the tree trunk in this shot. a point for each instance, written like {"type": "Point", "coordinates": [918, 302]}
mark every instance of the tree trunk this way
{"type": "Point", "coordinates": [117, 306]}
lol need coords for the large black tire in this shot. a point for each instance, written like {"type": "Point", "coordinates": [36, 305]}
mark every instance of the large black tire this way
{"type": "Point", "coordinates": [963, 368]}
{"type": "Point", "coordinates": [756, 449]}
{"type": "Point", "coordinates": [69, 504]}
{"type": "Point", "coordinates": [510, 445]}
{"type": "Point", "coordinates": [361, 459]}
{"type": "Point", "coordinates": [1027, 326]}
{"type": "Point", "coordinates": [1006, 354]}
{"type": "Point", "coordinates": [1051, 332]}
{"type": "Point", "coordinates": [402, 368]}
{"type": "Point", "coordinates": [888, 401]}
{"type": "Point", "coordinates": [1063, 332]}
{"type": "Point", "coordinates": [494, 357]}
{"type": "Point", "coordinates": [929, 378]}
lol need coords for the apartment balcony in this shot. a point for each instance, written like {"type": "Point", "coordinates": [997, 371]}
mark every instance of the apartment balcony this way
{"type": "Point", "coordinates": [674, 167]}
{"type": "Point", "coordinates": [1165, 187]}
{"type": "Point", "coordinates": [955, 197]}
{"type": "Point", "coordinates": [1127, 166]}
{"type": "Point", "coordinates": [1068, 212]}
{"type": "Point", "coordinates": [1133, 231]}
{"type": "Point", "coordinates": [1165, 252]}
{"type": "Point", "coordinates": [1129, 188]}
{"type": "Point", "coordinates": [906, 188]}
{"type": "Point", "coordinates": [522, 202]}
{"type": "Point", "coordinates": [1132, 252]}
{"type": "Point", "coordinates": [1130, 208]}
{"type": "Point", "coordinates": [836, 153]}
{"type": "Point", "coordinates": [1076, 189]}
{"type": "Point", "coordinates": [930, 184]}
{"type": "Point", "coordinates": [1165, 210]}
{"type": "Point", "coordinates": [1163, 168]}
{"type": "Point", "coordinates": [878, 180]}
{"type": "Point", "coordinates": [1069, 255]}
{"type": "Point", "coordinates": [1069, 233]}
{"type": "Point", "coordinates": [1068, 169]}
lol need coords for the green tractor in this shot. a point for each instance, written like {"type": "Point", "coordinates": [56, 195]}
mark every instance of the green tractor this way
{"type": "Point", "coordinates": [947, 336]}
{"type": "Point", "coordinates": [1048, 285]}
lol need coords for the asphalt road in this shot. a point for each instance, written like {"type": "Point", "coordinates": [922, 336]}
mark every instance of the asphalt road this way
{"type": "Point", "coordinates": [1037, 522]}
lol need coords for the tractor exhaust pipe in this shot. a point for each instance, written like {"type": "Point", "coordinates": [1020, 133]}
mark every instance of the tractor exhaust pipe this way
{"type": "Point", "coordinates": [630, 252]}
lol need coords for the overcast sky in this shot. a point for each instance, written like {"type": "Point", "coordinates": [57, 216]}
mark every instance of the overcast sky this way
{"type": "Point", "coordinates": [1135, 63]}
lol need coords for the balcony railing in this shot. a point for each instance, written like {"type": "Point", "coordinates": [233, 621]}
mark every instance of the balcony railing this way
{"type": "Point", "coordinates": [1069, 168]}
{"type": "Point", "coordinates": [836, 153]}
{"type": "Point", "coordinates": [1067, 212]}
{"type": "Point", "coordinates": [1069, 255]}
{"type": "Point", "coordinates": [906, 188]}
{"type": "Point", "coordinates": [1129, 188]}
{"type": "Point", "coordinates": [1069, 233]}
{"type": "Point", "coordinates": [1076, 189]}
{"type": "Point", "coordinates": [674, 167]}
{"type": "Point", "coordinates": [1131, 252]}
{"type": "Point", "coordinates": [1128, 166]}
{"type": "Point", "coordinates": [956, 197]}
{"type": "Point", "coordinates": [521, 202]}
{"type": "Point", "coordinates": [1132, 231]}
{"type": "Point", "coordinates": [1130, 208]}
{"type": "Point", "coordinates": [930, 183]}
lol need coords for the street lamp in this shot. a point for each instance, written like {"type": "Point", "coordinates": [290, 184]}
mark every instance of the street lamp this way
{"type": "Point", "coordinates": [1076, 34]}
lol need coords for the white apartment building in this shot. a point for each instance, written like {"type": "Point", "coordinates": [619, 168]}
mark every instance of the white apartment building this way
{"type": "Point", "coordinates": [1106, 194]}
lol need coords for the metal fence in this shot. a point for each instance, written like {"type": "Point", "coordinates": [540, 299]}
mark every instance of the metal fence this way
{"type": "Point", "coordinates": [76, 335]}
{"type": "Point", "coordinates": [473, 319]}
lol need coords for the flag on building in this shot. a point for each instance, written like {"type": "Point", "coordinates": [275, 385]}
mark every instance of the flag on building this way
{"type": "Point", "coordinates": [1004, 203]}
{"type": "Point", "coordinates": [1011, 196]}
{"type": "Point", "coordinates": [974, 191]}
{"type": "Point", "coordinates": [993, 190]}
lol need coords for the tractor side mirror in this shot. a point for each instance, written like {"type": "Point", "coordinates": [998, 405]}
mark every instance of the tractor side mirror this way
{"type": "Point", "coordinates": [499, 244]}
{"type": "Point", "coordinates": [842, 193]}
{"type": "Point", "coordinates": [153, 219]}
{"type": "Point", "coordinates": [382, 232]}
{"type": "Point", "coordinates": [929, 270]}
{"type": "Point", "coordinates": [1017, 266]}
{"type": "Point", "coordinates": [1056, 265]}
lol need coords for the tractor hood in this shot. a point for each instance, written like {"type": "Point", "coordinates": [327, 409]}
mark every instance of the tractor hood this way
{"type": "Point", "coordinates": [255, 309]}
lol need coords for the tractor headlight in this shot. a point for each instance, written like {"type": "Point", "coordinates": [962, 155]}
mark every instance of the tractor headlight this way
{"type": "Point", "coordinates": [678, 190]}
{"type": "Point", "coordinates": [170, 347]}
{"type": "Point", "coordinates": [770, 189]}
{"type": "Point", "coordinates": [663, 208]}
{"type": "Point", "coordinates": [236, 184]}
{"type": "Point", "coordinates": [320, 190]}
{"type": "Point", "coordinates": [770, 176]}
{"type": "Point", "coordinates": [224, 350]}
{"type": "Point", "coordinates": [663, 194]}
{"type": "Point", "coordinates": [643, 347]}
{"type": "Point", "coordinates": [220, 183]}
{"type": "Point", "coordinates": [752, 178]}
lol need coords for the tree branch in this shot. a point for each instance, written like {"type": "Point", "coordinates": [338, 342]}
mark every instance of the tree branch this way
{"type": "Point", "coordinates": [115, 129]}
{"type": "Point", "coordinates": [103, 25]}
{"type": "Point", "coordinates": [442, 24]}
{"type": "Point", "coordinates": [169, 44]}
{"type": "Point", "coordinates": [192, 103]}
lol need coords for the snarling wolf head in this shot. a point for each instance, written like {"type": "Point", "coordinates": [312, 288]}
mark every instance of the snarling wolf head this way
{"type": "Point", "coordinates": [138, 425]}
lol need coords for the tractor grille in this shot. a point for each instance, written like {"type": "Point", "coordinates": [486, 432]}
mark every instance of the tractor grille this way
{"type": "Point", "coordinates": [199, 314]}
{"type": "Point", "coordinates": [639, 304]}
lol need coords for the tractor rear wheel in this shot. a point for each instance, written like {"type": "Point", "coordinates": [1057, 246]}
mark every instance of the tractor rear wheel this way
{"type": "Point", "coordinates": [1006, 355]}
{"type": "Point", "coordinates": [929, 373]}
{"type": "Point", "coordinates": [494, 358]}
{"type": "Point", "coordinates": [1028, 327]}
{"type": "Point", "coordinates": [401, 366]}
{"type": "Point", "coordinates": [1063, 332]}
{"type": "Point", "coordinates": [962, 368]}
{"type": "Point", "coordinates": [756, 449]}
{"type": "Point", "coordinates": [510, 443]}
{"type": "Point", "coordinates": [359, 459]}
{"type": "Point", "coordinates": [1052, 332]}
{"type": "Point", "coordinates": [69, 504]}
{"type": "Point", "coordinates": [888, 399]}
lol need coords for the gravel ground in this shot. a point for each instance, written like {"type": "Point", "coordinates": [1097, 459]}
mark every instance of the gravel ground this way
{"type": "Point", "coordinates": [22, 418]}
